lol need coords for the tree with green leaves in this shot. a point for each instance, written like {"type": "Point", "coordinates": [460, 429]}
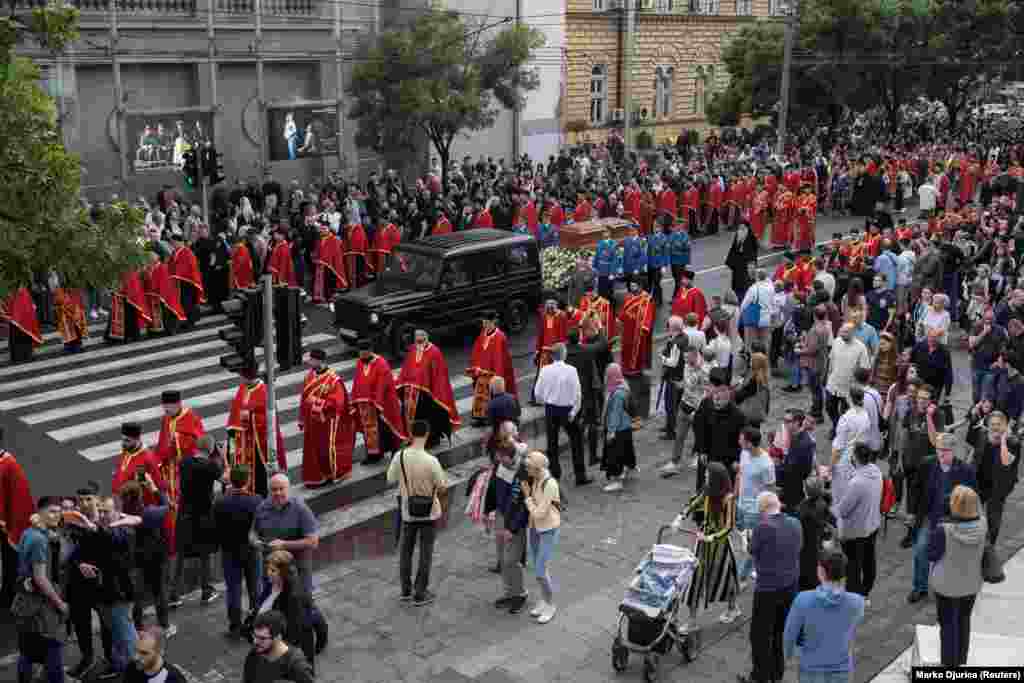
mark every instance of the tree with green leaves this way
{"type": "Point", "coordinates": [43, 227]}
{"type": "Point", "coordinates": [439, 77]}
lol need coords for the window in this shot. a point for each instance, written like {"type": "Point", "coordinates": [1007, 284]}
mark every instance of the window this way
{"type": "Point", "coordinates": [704, 6]}
{"type": "Point", "coordinates": [489, 264]}
{"type": "Point", "coordinates": [744, 8]}
{"type": "Point", "coordinates": [456, 274]}
{"type": "Point", "coordinates": [598, 94]}
{"type": "Point", "coordinates": [663, 6]}
{"type": "Point", "coordinates": [598, 5]}
{"type": "Point", "coordinates": [777, 8]}
{"type": "Point", "coordinates": [698, 92]}
{"type": "Point", "coordinates": [518, 258]}
{"type": "Point", "coordinates": [663, 77]}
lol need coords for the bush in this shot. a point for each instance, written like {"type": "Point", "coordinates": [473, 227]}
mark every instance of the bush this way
{"type": "Point", "coordinates": [694, 137]}
{"type": "Point", "coordinates": [644, 140]}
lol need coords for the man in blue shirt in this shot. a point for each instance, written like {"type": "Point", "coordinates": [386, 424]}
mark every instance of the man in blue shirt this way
{"type": "Point", "coordinates": [941, 475]}
{"type": "Point", "coordinates": [634, 257]}
{"type": "Point", "coordinates": [678, 252]}
{"type": "Point", "coordinates": [657, 258]}
{"type": "Point", "coordinates": [887, 264]}
{"type": "Point", "coordinates": [605, 264]}
{"type": "Point", "coordinates": [822, 622]}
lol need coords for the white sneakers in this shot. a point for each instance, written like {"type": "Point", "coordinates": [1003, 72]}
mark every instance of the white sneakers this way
{"type": "Point", "coordinates": [538, 609]}
{"type": "Point", "coordinates": [694, 462]}
{"type": "Point", "coordinates": [547, 614]}
{"type": "Point", "coordinates": [614, 485]}
{"type": "Point", "coordinates": [669, 469]}
{"type": "Point", "coordinates": [730, 615]}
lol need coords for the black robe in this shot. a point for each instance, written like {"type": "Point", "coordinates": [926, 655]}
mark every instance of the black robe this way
{"type": "Point", "coordinates": [739, 260]}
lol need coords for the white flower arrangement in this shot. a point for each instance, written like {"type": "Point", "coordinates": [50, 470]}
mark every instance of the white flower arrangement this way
{"type": "Point", "coordinates": [558, 265]}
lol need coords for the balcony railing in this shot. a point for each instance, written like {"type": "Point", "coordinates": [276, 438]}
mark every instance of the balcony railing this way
{"type": "Point", "coordinates": [271, 8]}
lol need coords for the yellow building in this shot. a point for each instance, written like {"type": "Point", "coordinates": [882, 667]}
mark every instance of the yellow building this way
{"type": "Point", "coordinates": [677, 64]}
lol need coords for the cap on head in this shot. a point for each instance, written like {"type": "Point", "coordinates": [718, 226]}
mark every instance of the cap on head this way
{"type": "Point", "coordinates": [689, 274]}
{"type": "Point", "coordinates": [364, 345]}
{"type": "Point", "coordinates": [490, 315]}
{"type": "Point", "coordinates": [318, 354]}
{"type": "Point", "coordinates": [170, 396]}
{"type": "Point", "coordinates": [250, 371]}
{"type": "Point", "coordinates": [133, 430]}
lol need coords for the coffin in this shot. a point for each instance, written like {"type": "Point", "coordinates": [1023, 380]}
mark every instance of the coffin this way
{"type": "Point", "coordinates": [587, 234]}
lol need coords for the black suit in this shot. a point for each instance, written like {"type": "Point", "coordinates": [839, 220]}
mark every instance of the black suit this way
{"type": "Point", "coordinates": [585, 358]}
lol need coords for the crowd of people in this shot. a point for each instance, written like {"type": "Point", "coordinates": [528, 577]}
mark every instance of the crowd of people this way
{"type": "Point", "coordinates": [866, 324]}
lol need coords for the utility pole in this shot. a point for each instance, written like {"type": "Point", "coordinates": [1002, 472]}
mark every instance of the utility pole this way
{"type": "Point", "coordinates": [260, 95]}
{"type": "Point", "coordinates": [627, 70]}
{"type": "Point", "coordinates": [339, 87]}
{"type": "Point", "coordinates": [790, 7]}
{"type": "Point", "coordinates": [270, 362]}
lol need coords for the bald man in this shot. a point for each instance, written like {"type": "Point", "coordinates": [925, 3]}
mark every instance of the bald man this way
{"type": "Point", "coordinates": [286, 523]}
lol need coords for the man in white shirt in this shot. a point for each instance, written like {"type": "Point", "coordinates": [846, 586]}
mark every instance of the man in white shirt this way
{"type": "Point", "coordinates": [904, 274]}
{"type": "Point", "coordinates": [761, 293]}
{"type": "Point", "coordinates": [558, 388]}
{"type": "Point", "coordinates": [927, 194]}
{"type": "Point", "coordinates": [873, 403]}
{"type": "Point", "coordinates": [824, 277]}
{"type": "Point", "coordinates": [847, 354]}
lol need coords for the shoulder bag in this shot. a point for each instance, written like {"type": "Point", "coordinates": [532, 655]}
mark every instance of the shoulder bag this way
{"type": "Point", "coordinates": [751, 315]}
{"type": "Point", "coordinates": [419, 506]}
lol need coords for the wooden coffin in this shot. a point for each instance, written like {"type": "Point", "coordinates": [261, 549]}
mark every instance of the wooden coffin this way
{"type": "Point", "coordinates": [587, 234]}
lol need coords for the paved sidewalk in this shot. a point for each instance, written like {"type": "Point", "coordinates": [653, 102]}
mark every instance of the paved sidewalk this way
{"type": "Point", "coordinates": [461, 638]}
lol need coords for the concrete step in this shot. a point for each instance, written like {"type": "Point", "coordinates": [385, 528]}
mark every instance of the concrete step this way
{"type": "Point", "coordinates": [987, 649]}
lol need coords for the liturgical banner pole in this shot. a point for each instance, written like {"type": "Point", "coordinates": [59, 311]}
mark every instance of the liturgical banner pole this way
{"type": "Point", "coordinates": [269, 361]}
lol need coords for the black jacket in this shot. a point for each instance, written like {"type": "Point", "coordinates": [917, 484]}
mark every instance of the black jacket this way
{"type": "Point", "coordinates": [582, 358]}
{"type": "Point", "coordinates": [196, 532]}
{"type": "Point", "coordinates": [716, 432]}
{"type": "Point", "coordinates": [814, 515]}
{"type": "Point", "coordinates": [995, 480]}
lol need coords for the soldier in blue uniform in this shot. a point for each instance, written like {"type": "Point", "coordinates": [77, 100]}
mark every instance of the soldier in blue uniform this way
{"type": "Point", "coordinates": [606, 265]}
{"type": "Point", "coordinates": [657, 258]}
{"type": "Point", "coordinates": [678, 252]}
{"type": "Point", "coordinates": [634, 256]}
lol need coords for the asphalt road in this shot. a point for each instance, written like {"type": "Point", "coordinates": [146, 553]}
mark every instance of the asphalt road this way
{"type": "Point", "coordinates": [62, 415]}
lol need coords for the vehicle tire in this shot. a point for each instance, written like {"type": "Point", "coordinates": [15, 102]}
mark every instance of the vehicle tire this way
{"type": "Point", "coordinates": [403, 335]}
{"type": "Point", "coordinates": [620, 657]}
{"type": "Point", "coordinates": [517, 314]}
{"type": "Point", "coordinates": [651, 668]}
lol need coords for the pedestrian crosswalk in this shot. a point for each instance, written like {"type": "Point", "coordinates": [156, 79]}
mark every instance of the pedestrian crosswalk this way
{"type": "Point", "coordinates": [79, 401]}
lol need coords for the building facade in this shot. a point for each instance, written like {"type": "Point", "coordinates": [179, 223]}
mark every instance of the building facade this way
{"type": "Point", "coordinates": [676, 67]}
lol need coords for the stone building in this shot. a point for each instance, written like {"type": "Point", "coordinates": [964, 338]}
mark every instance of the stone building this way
{"type": "Point", "coordinates": [677, 64]}
{"type": "Point", "coordinates": [263, 80]}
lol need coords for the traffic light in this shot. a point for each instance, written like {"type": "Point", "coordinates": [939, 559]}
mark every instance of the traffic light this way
{"type": "Point", "coordinates": [288, 326]}
{"type": "Point", "coordinates": [245, 310]}
{"type": "Point", "coordinates": [213, 165]}
{"type": "Point", "coordinates": [190, 169]}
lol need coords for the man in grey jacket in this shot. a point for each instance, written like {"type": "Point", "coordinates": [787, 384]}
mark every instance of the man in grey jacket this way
{"type": "Point", "coordinates": [858, 516]}
{"type": "Point", "coordinates": [928, 267]}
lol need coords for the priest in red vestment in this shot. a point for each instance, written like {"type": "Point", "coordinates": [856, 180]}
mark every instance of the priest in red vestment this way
{"type": "Point", "coordinates": [134, 461]}
{"type": "Point", "coordinates": [691, 206]}
{"type": "Point", "coordinates": [180, 429]}
{"type": "Point", "coordinates": [247, 428]}
{"type": "Point", "coordinates": [16, 508]}
{"type": "Point", "coordinates": [596, 306]}
{"type": "Point", "coordinates": [20, 313]}
{"type": "Point", "coordinates": [129, 309]}
{"type": "Point", "coordinates": [637, 318]}
{"type": "Point", "coordinates": [426, 390]}
{"type": "Point", "coordinates": [483, 218]}
{"type": "Point", "coordinates": [490, 358]}
{"type": "Point", "coordinates": [164, 305]}
{"type": "Point", "coordinates": [552, 328]}
{"type": "Point", "coordinates": [584, 210]}
{"type": "Point", "coordinates": [443, 226]}
{"type": "Point", "coordinates": [281, 266]}
{"type": "Point", "coordinates": [329, 267]}
{"type": "Point", "coordinates": [806, 219]}
{"type": "Point", "coordinates": [328, 424]}
{"type": "Point", "coordinates": [241, 276]}
{"type": "Point", "coordinates": [185, 272]}
{"type": "Point", "coordinates": [378, 410]}
{"type": "Point", "coordinates": [689, 299]}
{"type": "Point", "coordinates": [387, 237]}
{"type": "Point", "coordinates": [358, 260]}
{"type": "Point", "coordinates": [556, 214]}
{"type": "Point", "coordinates": [71, 323]}
{"type": "Point", "coordinates": [782, 225]}
{"type": "Point", "coordinates": [666, 199]}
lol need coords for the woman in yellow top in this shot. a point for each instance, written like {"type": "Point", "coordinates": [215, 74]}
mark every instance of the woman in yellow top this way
{"type": "Point", "coordinates": [543, 502]}
{"type": "Point", "coordinates": [715, 579]}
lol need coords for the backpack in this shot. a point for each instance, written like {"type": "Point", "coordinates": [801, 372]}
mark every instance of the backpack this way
{"type": "Point", "coordinates": [888, 501]}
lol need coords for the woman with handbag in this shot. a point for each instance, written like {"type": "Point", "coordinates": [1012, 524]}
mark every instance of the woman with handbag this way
{"type": "Point", "coordinates": [715, 580]}
{"type": "Point", "coordinates": [753, 397]}
{"type": "Point", "coordinates": [756, 311]}
{"type": "Point", "coordinates": [955, 549]}
{"type": "Point", "coordinates": [619, 453]}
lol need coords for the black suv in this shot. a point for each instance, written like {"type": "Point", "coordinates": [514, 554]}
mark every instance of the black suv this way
{"type": "Point", "coordinates": [442, 283]}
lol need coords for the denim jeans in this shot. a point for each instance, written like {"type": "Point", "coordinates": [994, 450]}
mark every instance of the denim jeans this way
{"type": "Point", "coordinates": [978, 376]}
{"type": "Point", "coordinates": [34, 649]}
{"type": "Point", "coordinates": [542, 548]}
{"type": "Point", "coordinates": [824, 676]}
{"type": "Point", "coordinates": [242, 564]}
{"type": "Point", "coordinates": [921, 565]}
{"type": "Point", "coordinates": [746, 521]}
{"type": "Point", "coordinates": [119, 616]}
{"type": "Point", "coordinates": [795, 371]}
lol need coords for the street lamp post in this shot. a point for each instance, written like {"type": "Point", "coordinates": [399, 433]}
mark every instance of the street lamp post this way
{"type": "Point", "coordinates": [789, 8]}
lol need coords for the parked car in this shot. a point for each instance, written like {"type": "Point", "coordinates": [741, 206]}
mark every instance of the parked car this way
{"type": "Point", "coordinates": [442, 283]}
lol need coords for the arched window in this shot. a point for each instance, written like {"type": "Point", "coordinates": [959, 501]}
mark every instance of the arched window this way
{"type": "Point", "coordinates": [663, 79]}
{"type": "Point", "coordinates": [598, 94]}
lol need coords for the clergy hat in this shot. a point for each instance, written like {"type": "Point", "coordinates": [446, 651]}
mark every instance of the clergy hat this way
{"type": "Point", "coordinates": [804, 252]}
{"type": "Point", "coordinates": [133, 430]}
{"type": "Point", "coordinates": [170, 396]}
{"type": "Point", "coordinates": [788, 255]}
{"type": "Point", "coordinates": [837, 235]}
{"type": "Point", "coordinates": [249, 371]}
{"type": "Point", "coordinates": [364, 345]}
{"type": "Point", "coordinates": [318, 354]}
{"type": "Point", "coordinates": [489, 315]}
{"type": "Point", "coordinates": [689, 274]}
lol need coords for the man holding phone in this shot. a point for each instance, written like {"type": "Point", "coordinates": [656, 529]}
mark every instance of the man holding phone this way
{"type": "Point", "coordinates": [135, 463]}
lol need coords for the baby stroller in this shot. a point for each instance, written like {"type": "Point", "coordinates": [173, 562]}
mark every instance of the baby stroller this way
{"type": "Point", "coordinates": [647, 615]}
